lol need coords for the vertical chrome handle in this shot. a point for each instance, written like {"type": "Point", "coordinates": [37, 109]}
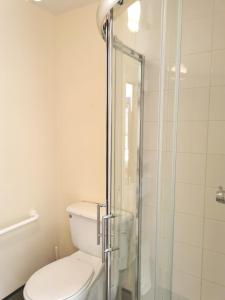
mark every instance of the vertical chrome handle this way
{"type": "Point", "coordinates": [106, 236]}
{"type": "Point", "coordinates": [99, 206]}
{"type": "Point", "coordinates": [103, 238]}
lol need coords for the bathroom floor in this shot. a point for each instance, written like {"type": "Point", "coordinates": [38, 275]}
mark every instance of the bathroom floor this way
{"type": "Point", "coordinates": [18, 295]}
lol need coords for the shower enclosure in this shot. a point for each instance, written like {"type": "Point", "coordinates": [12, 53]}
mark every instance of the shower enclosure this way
{"type": "Point", "coordinates": [180, 211]}
{"type": "Point", "coordinates": [140, 169]}
{"type": "Point", "coordinates": [125, 69]}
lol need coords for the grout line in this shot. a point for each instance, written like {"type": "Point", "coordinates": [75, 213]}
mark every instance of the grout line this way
{"type": "Point", "coordinates": [199, 247]}
{"type": "Point", "coordinates": [188, 244]}
{"type": "Point", "coordinates": [195, 87]}
{"type": "Point", "coordinates": [202, 217]}
{"type": "Point", "coordinates": [213, 282]}
{"type": "Point", "coordinates": [214, 251]}
{"type": "Point", "coordinates": [187, 273]}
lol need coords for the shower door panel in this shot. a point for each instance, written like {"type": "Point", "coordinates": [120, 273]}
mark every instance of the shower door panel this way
{"type": "Point", "coordinates": [125, 181]}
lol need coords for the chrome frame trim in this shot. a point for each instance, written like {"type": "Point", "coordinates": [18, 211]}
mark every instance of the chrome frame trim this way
{"type": "Point", "coordinates": [106, 27]}
{"type": "Point", "coordinates": [117, 44]}
{"type": "Point", "coordinates": [103, 12]}
{"type": "Point", "coordinates": [175, 125]}
{"type": "Point", "coordinates": [109, 51]}
{"type": "Point", "coordinates": [140, 172]}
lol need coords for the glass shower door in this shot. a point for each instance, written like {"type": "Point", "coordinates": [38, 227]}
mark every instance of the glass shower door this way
{"type": "Point", "coordinates": [135, 26]}
{"type": "Point", "coordinates": [127, 70]}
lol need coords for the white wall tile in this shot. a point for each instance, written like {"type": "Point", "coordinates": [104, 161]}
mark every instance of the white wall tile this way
{"type": "Point", "coordinates": [214, 267]}
{"type": "Point", "coordinates": [218, 68]}
{"type": "Point", "coordinates": [167, 201]}
{"type": "Point", "coordinates": [201, 157]}
{"type": "Point", "coordinates": [152, 80]}
{"type": "Point", "coordinates": [197, 98]}
{"type": "Point", "coordinates": [168, 105]}
{"type": "Point", "coordinates": [153, 48]}
{"type": "Point", "coordinates": [149, 163]}
{"type": "Point", "coordinates": [217, 103]}
{"type": "Point", "coordinates": [167, 158]}
{"type": "Point", "coordinates": [193, 9]}
{"type": "Point", "coordinates": [198, 70]}
{"type": "Point", "coordinates": [151, 107]}
{"type": "Point", "coordinates": [149, 191]}
{"type": "Point", "coordinates": [214, 210]}
{"type": "Point", "coordinates": [149, 221]}
{"type": "Point", "coordinates": [168, 135]}
{"type": "Point", "coordinates": [213, 236]}
{"type": "Point", "coordinates": [188, 229]}
{"type": "Point", "coordinates": [216, 140]}
{"type": "Point", "coordinates": [197, 35]}
{"type": "Point", "coordinates": [219, 7]}
{"type": "Point", "coordinates": [187, 259]}
{"type": "Point", "coordinates": [218, 31]}
{"type": "Point", "coordinates": [150, 135]}
{"type": "Point", "coordinates": [192, 136]}
{"type": "Point", "coordinates": [190, 168]}
{"type": "Point", "coordinates": [212, 291]}
{"type": "Point", "coordinates": [190, 198]}
{"type": "Point", "coordinates": [215, 175]}
{"type": "Point", "coordinates": [186, 287]}
{"type": "Point", "coordinates": [165, 224]}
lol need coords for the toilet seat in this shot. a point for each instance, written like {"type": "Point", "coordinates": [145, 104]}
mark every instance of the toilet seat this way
{"type": "Point", "coordinates": [59, 280]}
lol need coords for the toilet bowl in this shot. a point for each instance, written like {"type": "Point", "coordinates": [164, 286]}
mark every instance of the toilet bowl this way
{"type": "Point", "coordinates": [69, 278]}
{"type": "Point", "coordinates": [79, 276]}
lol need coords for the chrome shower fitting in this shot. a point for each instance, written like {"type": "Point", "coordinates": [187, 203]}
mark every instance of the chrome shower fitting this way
{"type": "Point", "coordinates": [220, 195]}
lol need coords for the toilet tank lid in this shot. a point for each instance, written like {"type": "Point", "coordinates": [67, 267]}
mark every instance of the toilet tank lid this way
{"type": "Point", "coordinates": [85, 209]}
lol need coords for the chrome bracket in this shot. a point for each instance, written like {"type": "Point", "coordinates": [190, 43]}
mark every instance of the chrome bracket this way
{"type": "Point", "coordinates": [109, 250]}
{"type": "Point", "coordinates": [220, 195]}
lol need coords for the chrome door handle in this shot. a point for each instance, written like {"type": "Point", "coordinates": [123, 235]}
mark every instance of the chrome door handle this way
{"type": "Point", "coordinates": [103, 238]}
{"type": "Point", "coordinates": [106, 239]}
{"type": "Point", "coordinates": [99, 206]}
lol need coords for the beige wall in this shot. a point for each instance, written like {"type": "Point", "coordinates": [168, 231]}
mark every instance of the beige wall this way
{"type": "Point", "coordinates": [52, 130]}
{"type": "Point", "coordinates": [81, 81]}
{"type": "Point", "coordinates": [27, 140]}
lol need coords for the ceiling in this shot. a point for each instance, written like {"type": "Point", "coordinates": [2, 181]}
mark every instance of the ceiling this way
{"type": "Point", "coordinates": [61, 6]}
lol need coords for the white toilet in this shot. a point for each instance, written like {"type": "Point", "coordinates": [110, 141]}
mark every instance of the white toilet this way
{"type": "Point", "coordinates": [79, 276]}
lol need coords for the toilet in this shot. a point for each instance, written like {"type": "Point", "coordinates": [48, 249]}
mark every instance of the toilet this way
{"type": "Point", "coordinates": [79, 276]}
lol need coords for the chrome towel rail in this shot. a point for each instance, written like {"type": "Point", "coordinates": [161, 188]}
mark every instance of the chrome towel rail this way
{"type": "Point", "coordinates": [34, 216]}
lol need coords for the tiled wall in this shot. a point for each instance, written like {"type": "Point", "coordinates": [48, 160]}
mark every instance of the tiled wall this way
{"type": "Point", "coordinates": [199, 246]}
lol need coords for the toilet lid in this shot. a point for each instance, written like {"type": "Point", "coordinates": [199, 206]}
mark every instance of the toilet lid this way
{"type": "Point", "coordinates": [59, 280]}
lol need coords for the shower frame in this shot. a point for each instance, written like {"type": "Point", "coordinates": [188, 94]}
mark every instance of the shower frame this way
{"type": "Point", "coordinates": [114, 43]}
